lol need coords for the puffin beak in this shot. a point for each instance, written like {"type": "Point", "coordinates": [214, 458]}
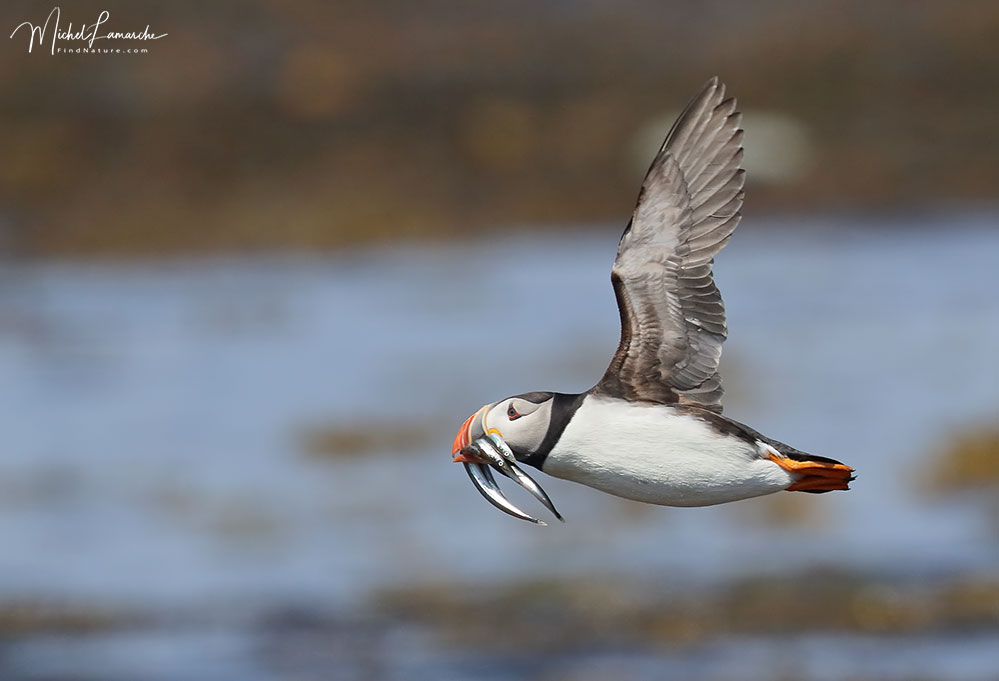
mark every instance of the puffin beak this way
{"type": "Point", "coordinates": [491, 450]}
{"type": "Point", "coordinates": [460, 450]}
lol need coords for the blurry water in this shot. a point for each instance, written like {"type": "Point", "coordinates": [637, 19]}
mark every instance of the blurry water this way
{"type": "Point", "coordinates": [152, 455]}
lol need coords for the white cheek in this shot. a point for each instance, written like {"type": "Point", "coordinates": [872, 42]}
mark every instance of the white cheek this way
{"type": "Point", "coordinates": [529, 431]}
{"type": "Point", "coordinates": [497, 420]}
{"type": "Point", "coordinates": [526, 432]}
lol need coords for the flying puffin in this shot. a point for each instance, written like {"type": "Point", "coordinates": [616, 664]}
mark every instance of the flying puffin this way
{"type": "Point", "coordinates": [652, 428]}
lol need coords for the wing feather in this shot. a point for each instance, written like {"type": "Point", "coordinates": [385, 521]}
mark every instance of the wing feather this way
{"type": "Point", "coordinates": [672, 315]}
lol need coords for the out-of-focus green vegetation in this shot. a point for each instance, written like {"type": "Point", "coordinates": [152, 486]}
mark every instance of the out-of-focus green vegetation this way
{"type": "Point", "coordinates": [303, 124]}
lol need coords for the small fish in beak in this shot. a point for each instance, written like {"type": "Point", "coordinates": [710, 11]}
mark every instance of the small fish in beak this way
{"type": "Point", "coordinates": [490, 450]}
{"type": "Point", "coordinates": [484, 481]}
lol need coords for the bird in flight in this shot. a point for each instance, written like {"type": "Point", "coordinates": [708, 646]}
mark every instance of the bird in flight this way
{"type": "Point", "coordinates": [652, 428]}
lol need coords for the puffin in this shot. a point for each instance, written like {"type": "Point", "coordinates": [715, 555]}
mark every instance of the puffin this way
{"type": "Point", "coordinates": [652, 429]}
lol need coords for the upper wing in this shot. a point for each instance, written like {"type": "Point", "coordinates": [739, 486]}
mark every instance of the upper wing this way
{"type": "Point", "coordinates": [672, 316]}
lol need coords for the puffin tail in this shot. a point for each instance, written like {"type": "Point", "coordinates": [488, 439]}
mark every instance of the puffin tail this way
{"type": "Point", "coordinates": [811, 473]}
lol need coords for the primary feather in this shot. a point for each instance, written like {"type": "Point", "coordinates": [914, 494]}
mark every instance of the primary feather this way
{"type": "Point", "coordinates": [672, 316]}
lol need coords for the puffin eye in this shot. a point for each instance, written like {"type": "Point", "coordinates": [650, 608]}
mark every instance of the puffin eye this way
{"type": "Point", "coordinates": [512, 412]}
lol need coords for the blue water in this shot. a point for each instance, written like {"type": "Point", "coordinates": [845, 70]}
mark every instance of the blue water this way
{"type": "Point", "coordinates": [152, 419]}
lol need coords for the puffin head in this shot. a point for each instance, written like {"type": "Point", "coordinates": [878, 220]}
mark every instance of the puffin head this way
{"type": "Point", "coordinates": [520, 421]}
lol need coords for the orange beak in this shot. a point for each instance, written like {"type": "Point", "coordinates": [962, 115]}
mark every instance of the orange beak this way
{"type": "Point", "coordinates": [462, 440]}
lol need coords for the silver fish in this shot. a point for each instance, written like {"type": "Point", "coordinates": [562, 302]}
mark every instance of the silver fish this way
{"type": "Point", "coordinates": [493, 449]}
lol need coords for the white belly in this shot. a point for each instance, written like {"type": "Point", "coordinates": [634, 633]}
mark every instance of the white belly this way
{"type": "Point", "coordinates": [651, 453]}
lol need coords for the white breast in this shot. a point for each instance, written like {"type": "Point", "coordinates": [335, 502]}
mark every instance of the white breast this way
{"type": "Point", "coordinates": [654, 454]}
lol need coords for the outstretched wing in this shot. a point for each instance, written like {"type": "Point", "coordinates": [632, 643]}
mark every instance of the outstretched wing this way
{"type": "Point", "coordinates": [672, 316]}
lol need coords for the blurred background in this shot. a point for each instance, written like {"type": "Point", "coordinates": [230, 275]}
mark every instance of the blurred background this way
{"type": "Point", "coordinates": [249, 284]}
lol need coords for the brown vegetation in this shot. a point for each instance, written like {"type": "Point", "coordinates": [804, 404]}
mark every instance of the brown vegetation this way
{"type": "Point", "coordinates": [969, 461]}
{"type": "Point", "coordinates": [553, 614]}
{"type": "Point", "coordinates": [33, 617]}
{"type": "Point", "coordinates": [314, 125]}
{"type": "Point", "coordinates": [348, 441]}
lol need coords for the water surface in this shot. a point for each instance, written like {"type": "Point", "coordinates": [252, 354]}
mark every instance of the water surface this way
{"type": "Point", "coordinates": [153, 459]}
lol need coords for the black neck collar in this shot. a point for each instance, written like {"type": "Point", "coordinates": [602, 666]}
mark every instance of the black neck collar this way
{"type": "Point", "coordinates": [563, 409]}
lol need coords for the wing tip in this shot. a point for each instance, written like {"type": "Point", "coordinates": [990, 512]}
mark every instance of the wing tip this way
{"type": "Point", "coordinates": [717, 88]}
